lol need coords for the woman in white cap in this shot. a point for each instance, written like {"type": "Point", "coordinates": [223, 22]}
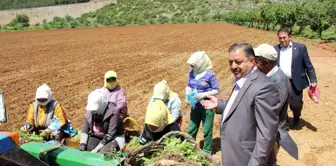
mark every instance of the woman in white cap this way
{"type": "Point", "coordinates": [171, 99]}
{"type": "Point", "coordinates": [44, 112]}
{"type": "Point", "coordinates": [103, 129]}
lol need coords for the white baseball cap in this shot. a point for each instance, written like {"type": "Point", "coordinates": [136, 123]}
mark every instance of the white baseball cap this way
{"type": "Point", "coordinates": [266, 51]}
{"type": "Point", "coordinates": [97, 101]}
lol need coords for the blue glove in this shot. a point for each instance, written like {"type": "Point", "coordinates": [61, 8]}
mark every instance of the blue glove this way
{"type": "Point", "coordinates": [191, 97]}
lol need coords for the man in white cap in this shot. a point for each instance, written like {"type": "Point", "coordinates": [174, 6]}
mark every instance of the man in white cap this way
{"type": "Point", "coordinates": [265, 59]}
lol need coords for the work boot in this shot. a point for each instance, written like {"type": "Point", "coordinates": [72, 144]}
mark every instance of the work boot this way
{"type": "Point", "coordinates": [286, 127]}
{"type": "Point", "coordinates": [296, 123]}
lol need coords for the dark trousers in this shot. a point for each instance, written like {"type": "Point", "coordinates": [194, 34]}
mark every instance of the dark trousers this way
{"type": "Point", "coordinates": [154, 136]}
{"type": "Point", "coordinates": [295, 101]}
{"type": "Point", "coordinates": [94, 141]}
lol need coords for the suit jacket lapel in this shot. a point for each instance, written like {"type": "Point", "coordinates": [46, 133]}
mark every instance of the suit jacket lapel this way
{"type": "Point", "coordinates": [226, 103]}
{"type": "Point", "coordinates": [238, 98]}
{"type": "Point", "coordinates": [241, 93]}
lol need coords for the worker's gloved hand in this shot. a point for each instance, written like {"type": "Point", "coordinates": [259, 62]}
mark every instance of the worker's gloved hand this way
{"type": "Point", "coordinates": [200, 95]}
{"type": "Point", "coordinates": [26, 127]}
{"type": "Point", "coordinates": [82, 147]}
{"type": "Point", "coordinates": [98, 147]}
{"type": "Point", "coordinates": [46, 133]}
{"type": "Point", "coordinates": [107, 138]}
{"type": "Point", "coordinates": [143, 140]}
{"type": "Point", "coordinates": [187, 101]}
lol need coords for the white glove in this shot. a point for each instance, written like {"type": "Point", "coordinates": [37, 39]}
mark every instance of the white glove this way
{"type": "Point", "coordinates": [200, 95]}
{"type": "Point", "coordinates": [27, 126]}
{"type": "Point", "coordinates": [97, 149]}
{"type": "Point", "coordinates": [187, 101]}
{"type": "Point", "coordinates": [94, 150]}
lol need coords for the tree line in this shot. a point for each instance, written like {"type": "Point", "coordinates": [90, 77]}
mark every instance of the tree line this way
{"type": "Point", "coordinates": [318, 16]}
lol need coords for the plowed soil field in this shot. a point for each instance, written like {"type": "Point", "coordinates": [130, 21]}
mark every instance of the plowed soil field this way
{"type": "Point", "coordinates": [73, 63]}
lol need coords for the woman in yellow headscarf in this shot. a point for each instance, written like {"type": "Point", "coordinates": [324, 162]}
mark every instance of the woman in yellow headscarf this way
{"type": "Point", "coordinates": [116, 94]}
{"type": "Point", "coordinates": [158, 122]}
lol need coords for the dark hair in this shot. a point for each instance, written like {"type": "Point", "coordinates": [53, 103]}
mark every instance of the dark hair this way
{"type": "Point", "coordinates": [286, 30]}
{"type": "Point", "coordinates": [247, 48]}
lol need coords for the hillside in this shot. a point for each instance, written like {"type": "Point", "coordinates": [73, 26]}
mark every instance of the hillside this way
{"type": "Point", "coordinates": [21, 4]}
{"type": "Point", "coordinates": [309, 18]}
{"type": "Point", "coordinates": [159, 8]}
{"type": "Point", "coordinates": [36, 15]}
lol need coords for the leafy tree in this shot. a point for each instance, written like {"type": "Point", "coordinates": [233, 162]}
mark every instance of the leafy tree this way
{"type": "Point", "coordinates": [331, 10]}
{"type": "Point", "coordinates": [254, 17]}
{"type": "Point", "coordinates": [286, 15]}
{"type": "Point", "coordinates": [73, 23]}
{"type": "Point", "coordinates": [319, 18]}
{"type": "Point", "coordinates": [20, 21]}
{"type": "Point", "coordinates": [59, 22]}
{"type": "Point", "coordinates": [68, 18]}
{"type": "Point", "coordinates": [45, 24]}
{"type": "Point", "coordinates": [268, 15]}
{"type": "Point", "coordinates": [302, 17]}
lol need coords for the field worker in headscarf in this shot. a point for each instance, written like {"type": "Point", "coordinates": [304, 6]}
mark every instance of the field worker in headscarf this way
{"type": "Point", "coordinates": [202, 81]}
{"type": "Point", "coordinates": [171, 99]}
{"type": "Point", "coordinates": [46, 114]}
{"type": "Point", "coordinates": [103, 130]}
{"type": "Point", "coordinates": [116, 94]}
{"type": "Point", "coordinates": [158, 122]}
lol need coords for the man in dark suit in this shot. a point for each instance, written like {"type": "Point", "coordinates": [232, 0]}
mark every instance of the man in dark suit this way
{"type": "Point", "coordinates": [250, 116]}
{"type": "Point", "coordinates": [294, 61]}
{"type": "Point", "coordinates": [266, 57]}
